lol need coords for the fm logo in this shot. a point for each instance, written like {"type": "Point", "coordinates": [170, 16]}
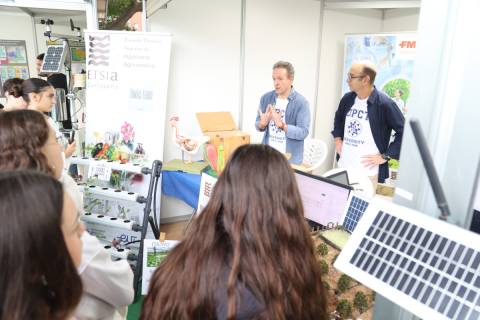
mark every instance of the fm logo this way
{"type": "Point", "coordinates": [408, 44]}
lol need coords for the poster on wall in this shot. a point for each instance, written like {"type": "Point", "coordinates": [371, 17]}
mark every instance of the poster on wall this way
{"type": "Point", "coordinates": [13, 61]}
{"type": "Point", "coordinates": [127, 82]}
{"type": "Point", "coordinates": [393, 54]}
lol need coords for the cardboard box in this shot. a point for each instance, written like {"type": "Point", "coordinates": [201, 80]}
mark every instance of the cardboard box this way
{"type": "Point", "coordinates": [221, 129]}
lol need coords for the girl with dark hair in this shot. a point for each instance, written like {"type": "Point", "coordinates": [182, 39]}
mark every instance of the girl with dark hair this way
{"type": "Point", "coordinates": [40, 96]}
{"type": "Point", "coordinates": [40, 248]}
{"type": "Point", "coordinates": [12, 89]}
{"type": "Point", "coordinates": [28, 142]}
{"type": "Point", "coordinates": [248, 255]}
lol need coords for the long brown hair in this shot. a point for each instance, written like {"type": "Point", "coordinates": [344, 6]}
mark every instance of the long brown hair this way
{"type": "Point", "coordinates": [38, 279]}
{"type": "Point", "coordinates": [252, 227]}
{"type": "Point", "coordinates": [23, 133]}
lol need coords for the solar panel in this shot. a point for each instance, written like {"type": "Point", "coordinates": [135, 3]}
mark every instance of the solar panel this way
{"type": "Point", "coordinates": [355, 209]}
{"type": "Point", "coordinates": [53, 60]}
{"type": "Point", "coordinates": [425, 265]}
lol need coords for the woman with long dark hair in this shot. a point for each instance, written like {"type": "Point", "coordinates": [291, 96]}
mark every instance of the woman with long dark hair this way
{"type": "Point", "coordinates": [248, 255]}
{"type": "Point", "coordinates": [40, 248]}
{"type": "Point", "coordinates": [27, 142]}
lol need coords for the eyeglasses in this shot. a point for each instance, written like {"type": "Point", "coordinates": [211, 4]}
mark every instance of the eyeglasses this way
{"type": "Point", "coordinates": [350, 77]}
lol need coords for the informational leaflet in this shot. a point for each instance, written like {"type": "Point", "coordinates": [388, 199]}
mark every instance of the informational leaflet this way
{"type": "Point", "coordinates": [154, 252]}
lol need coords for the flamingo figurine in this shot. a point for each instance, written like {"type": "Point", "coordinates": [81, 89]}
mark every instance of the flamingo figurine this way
{"type": "Point", "coordinates": [190, 145]}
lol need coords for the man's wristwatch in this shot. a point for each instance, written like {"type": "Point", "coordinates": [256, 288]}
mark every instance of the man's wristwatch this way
{"type": "Point", "coordinates": [386, 157]}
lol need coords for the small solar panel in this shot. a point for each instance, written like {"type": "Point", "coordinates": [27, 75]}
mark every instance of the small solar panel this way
{"type": "Point", "coordinates": [425, 265]}
{"type": "Point", "coordinates": [53, 60]}
{"type": "Point", "coordinates": [355, 209]}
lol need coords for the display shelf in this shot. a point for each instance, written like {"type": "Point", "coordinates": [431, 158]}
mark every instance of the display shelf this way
{"type": "Point", "coordinates": [111, 193]}
{"type": "Point", "coordinates": [110, 221]}
{"type": "Point", "coordinates": [114, 165]}
{"type": "Point", "coordinates": [97, 221]}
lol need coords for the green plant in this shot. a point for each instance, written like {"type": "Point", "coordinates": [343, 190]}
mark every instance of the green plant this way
{"type": "Point", "coordinates": [393, 164]}
{"type": "Point", "coordinates": [122, 212]}
{"type": "Point", "coordinates": [360, 302]}
{"type": "Point", "coordinates": [93, 180]}
{"type": "Point", "coordinates": [115, 179]}
{"type": "Point", "coordinates": [343, 283]}
{"type": "Point", "coordinates": [326, 285]}
{"type": "Point", "coordinates": [92, 204]}
{"type": "Point", "coordinates": [322, 249]}
{"type": "Point", "coordinates": [118, 7]}
{"type": "Point", "coordinates": [323, 266]}
{"type": "Point", "coordinates": [334, 258]}
{"type": "Point", "coordinates": [344, 308]}
{"type": "Point", "coordinates": [88, 150]}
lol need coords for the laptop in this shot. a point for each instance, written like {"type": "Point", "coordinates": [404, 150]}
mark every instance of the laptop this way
{"type": "Point", "coordinates": [324, 200]}
{"type": "Point", "coordinates": [340, 177]}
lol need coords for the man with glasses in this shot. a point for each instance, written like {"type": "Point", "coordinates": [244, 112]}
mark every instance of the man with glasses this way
{"type": "Point", "coordinates": [363, 126]}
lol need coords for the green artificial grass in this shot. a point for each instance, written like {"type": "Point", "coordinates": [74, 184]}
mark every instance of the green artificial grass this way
{"type": "Point", "coordinates": [135, 308]}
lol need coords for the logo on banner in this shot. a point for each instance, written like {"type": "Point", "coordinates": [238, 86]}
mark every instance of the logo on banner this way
{"type": "Point", "coordinates": [98, 59]}
{"type": "Point", "coordinates": [408, 44]}
{"type": "Point", "coordinates": [99, 50]}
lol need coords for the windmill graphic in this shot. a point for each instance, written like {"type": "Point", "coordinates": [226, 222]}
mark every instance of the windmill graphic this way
{"type": "Point", "coordinates": [99, 49]}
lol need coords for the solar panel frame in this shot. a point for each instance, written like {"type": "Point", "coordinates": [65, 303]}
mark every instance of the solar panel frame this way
{"type": "Point", "coordinates": [354, 210]}
{"type": "Point", "coordinates": [53, 59]}
{"type": "Point", "coordinates": [432, 271]}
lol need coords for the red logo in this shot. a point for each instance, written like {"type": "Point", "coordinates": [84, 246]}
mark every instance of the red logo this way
{"type": "Point", "coordinates": [408, 44]}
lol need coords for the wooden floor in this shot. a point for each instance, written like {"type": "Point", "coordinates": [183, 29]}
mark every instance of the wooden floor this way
{"type": "Point", "coordinates": [174, 231]}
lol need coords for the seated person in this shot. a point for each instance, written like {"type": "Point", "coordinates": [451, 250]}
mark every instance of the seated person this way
{"type": "Point", "coordinates": [28, 142]}
{"type": "Point", "coordinates": [40, 248]}
{"type": "Point", "coordinates": [248, 255]}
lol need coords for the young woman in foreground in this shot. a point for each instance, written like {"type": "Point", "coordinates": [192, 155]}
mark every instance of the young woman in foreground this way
{"type": "Point", "coordinates": [248, 255]}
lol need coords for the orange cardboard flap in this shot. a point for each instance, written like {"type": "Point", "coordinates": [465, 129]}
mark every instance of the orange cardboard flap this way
{"type": "Point", "coordinates": [216, 121]}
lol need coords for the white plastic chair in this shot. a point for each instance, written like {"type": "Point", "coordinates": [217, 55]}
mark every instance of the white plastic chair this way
{"type": "Point", "coordinates": [314, 154]}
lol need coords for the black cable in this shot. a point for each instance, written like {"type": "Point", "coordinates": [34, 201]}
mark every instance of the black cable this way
{"type": "Point", "coordinates": [126, 244]}
{"type": "Point", "coordinates": [154, 229]}
{"type": "Point", "coordinates": [155, 201]}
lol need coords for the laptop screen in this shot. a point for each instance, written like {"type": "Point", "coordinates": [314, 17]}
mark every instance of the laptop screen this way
{"type": "Point", "coordinates": [340, 177]}
{"type": "Point", "coordinates": [323, 200]}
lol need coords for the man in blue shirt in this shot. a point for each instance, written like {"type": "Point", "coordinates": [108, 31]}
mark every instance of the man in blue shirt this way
{"type": "Point", "coordinates": [363, 125]}
{"type": "Point", "coordinates": [284, 114]}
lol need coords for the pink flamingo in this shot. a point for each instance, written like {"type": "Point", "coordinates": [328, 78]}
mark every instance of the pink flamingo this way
{"type": "Point", "coordinates": [190, 145]}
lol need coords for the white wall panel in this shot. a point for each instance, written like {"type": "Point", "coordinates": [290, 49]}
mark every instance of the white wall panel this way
{"type": "Point", "coordinates": [279, 30]}
{"type": "Point", "coordinates": [204, 68]}
{"type": "Point", "coordinates": [337, 23]}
